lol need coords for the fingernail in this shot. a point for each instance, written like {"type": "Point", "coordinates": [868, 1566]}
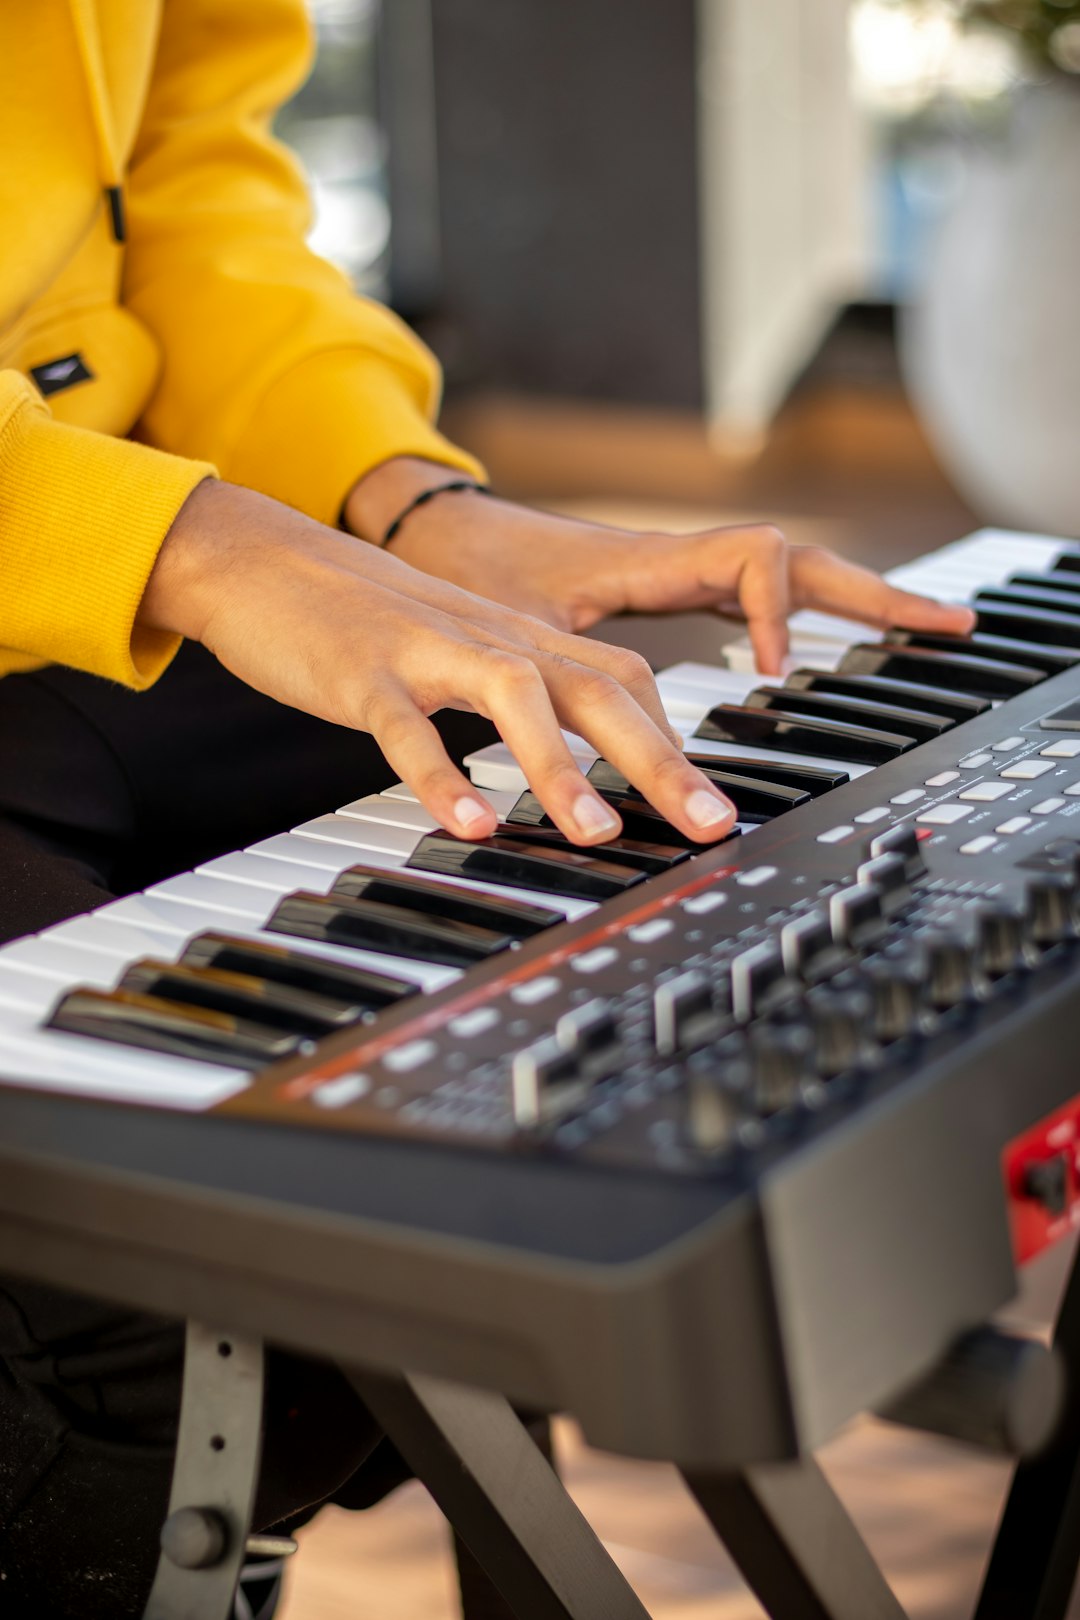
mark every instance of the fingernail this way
{"type": "Point", "coordinates": [470, 813]}
{"type": "Point", "coordinates": [593, 816]}
{"type": "Point", "coordinates": [705, 810]}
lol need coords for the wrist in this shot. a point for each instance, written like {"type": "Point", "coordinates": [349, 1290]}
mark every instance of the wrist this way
{"type": "Point", "coordinates": [377, 500]}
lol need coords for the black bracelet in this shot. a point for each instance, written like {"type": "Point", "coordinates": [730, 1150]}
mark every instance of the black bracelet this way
{"type": "Point", "coordinates": [426, 495]}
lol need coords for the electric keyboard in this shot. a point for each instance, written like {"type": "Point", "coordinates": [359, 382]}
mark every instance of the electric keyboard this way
{"type": "Point", "coordinates": [820, 1036]}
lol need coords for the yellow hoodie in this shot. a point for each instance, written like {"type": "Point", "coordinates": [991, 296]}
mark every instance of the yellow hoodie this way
{"type": "Point", "coordinates": [154, 282]}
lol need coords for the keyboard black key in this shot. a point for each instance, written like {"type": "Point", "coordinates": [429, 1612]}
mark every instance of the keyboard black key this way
{"type": "Point", "coordinates": [1049, 658]}
{"type": "Point", "coordinates": [641, 854]}
{"type": "Point", "coordinates": [373, 926]}
{"type": "Point", "coordinates": [1027, 623]}
{"type": "Point", "coordinates": [957, 671]}
{"type": "Point", "coordinates": [339, 980]}
{"type": "Point", "coordinates": [577, 874]}
{"type": "Point", "coordinates": [516, 917]}
{"type": "Point", "coordinates": [812, 779]}
{"type": "Point", "coordinates": [754, 799]}
{"type": "Point", "coordinates": [915, 723]}
{"type": "Point", "coordinates": [1068, 560]}
{"type": "Point", "coordinates": [955, 706]}
{"type": "Point", "coordinates": [797, 734]}
{"type": "Point", "coordinates": [1022, 597]}
{"type": "Point", "coordinates": [1053, 590]}
{"type": "Point", "coordinates": [1055, 579]}
{"type": "Point", "coordinates": [279, 1006]}
{"type": "Point", "coordinates": [154, 1025]}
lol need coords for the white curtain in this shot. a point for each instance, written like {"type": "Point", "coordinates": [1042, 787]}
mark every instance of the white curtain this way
{"type": "Point", "coordinates": [784, 204]}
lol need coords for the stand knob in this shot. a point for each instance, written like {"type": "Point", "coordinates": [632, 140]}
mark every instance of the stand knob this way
{"type": "Point", "coordinates": [194, 1538]}
{"type": "Point", "coordinates": [993, 1390]}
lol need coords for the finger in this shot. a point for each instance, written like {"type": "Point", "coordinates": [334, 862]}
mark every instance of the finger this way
{"type": "Point", "coordinates": [510, 691]}
{"type": "Point", "coordinates": [415, 750]}
{"type": "Point", "coordinates": [629, 669]}
{"type": "Point", "coordinates": [823, 580]}
{"type": "Point", "coordinates": [593, 705]}
{"type": "Point", "coordinates": [764, 596]}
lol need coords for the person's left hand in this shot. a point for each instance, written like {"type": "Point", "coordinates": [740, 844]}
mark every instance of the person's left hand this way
{"type": "Point", "coordinates": [573, 574]}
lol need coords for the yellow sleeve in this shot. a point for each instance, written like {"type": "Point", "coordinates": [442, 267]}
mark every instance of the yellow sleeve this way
{"type": "Point", "coordinates": [82, 517]}
{"type": "Point", "coordinates": [273, 368]}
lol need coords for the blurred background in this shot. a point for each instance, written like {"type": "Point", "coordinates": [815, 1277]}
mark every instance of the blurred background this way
{"type": "Point", "coordinates": [687, 262]}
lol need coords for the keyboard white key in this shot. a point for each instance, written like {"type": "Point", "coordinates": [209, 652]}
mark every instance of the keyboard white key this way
{"type": "Point", "coordinates": [51, 1060]}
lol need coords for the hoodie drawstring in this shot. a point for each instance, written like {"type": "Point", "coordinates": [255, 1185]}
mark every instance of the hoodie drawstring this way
{"type": "Point", "coordinates": [89, 42]}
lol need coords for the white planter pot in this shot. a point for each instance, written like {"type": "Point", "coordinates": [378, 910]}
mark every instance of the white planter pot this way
{"type": "Point", "coordinates": [991, 348]}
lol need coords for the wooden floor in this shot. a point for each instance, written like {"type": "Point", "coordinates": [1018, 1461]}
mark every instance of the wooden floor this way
{"type": "Point", "coordinates": [851, 470]}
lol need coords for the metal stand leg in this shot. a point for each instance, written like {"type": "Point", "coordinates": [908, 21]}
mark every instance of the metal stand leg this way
{"type": "Point", "coordinates": [1033, 1565]}
{"type": "Point", "coordinates": [794, 1543]}
{"type": "Point", "coordinates": [499, 1494]}
{"type": "Point", "coordinates": [480, 1598]}
{"type": "Point", "coordinates": [214, 1478]}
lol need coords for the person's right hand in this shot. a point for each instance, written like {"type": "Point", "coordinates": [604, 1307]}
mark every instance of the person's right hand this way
{"type": "Point", "coordinates": [324, 623]}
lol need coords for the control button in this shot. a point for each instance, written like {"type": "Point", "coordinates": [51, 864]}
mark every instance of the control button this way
{"type": "Point", "coordinates": [535, 991]}
{"type": "Point", "coordinates": [592, 1034]}
{"type": "Point", "coordinates": [868, 817]}
{"type": "Point", "coordinates": [477, 1022]}
{"type": "Point", "coordinates": [835, 835]}
{"type": "Point", "coordinates": [1007, 744]}
{"type": "Point", "coordinates": [987, 792]}
{"type": "Point", "coordinates": [1073, 791]}
{"type": "Point", "coordinates": [1047, 1183]}
{"type": "Point", "coordinates": [808, 948]}
{"type": "Point", "coordinates": [909, 796]}
{"type": "Point", "coordinates": [1026, 770]}
{"type": "Point", "coordinates": [978, 846]}
{"type": "Point", "coordinates": [683, 1014]}
{"type": "Point", "coordinates": [699, 905]}
{"type": "Point", "coordinates": [1014, 824]}
{"type": "Point", "coordinates": [1061, 750]}
{"type": "Point", "coordinates": [604, 956]}
{"type": "Point", "coordinates": [403, 1059]}
{"type": "Point", "coordinates": [855, 916]}
{"type": "Point", "coordinates": [1046, 807]}
{"type": "Point", "coordinates": [901, 841]}
{"type": "Point", "coordinates": [647, 933]}
{"type": "Point", "coordinates": [888, 875]}
{"type": "Point", "coordinates": [754, 878]}
{"type": "Point", "coordinates": [975, 762]}
{"type": "Point", "coordinates": [545, 1083]}
{"type": "Point", "coordinates": [758, 981]}
{"type": "Point", "coordinates": [943, 778]}
{"type": "Point", "coordinates": [944, 815]}
{"type": "Point", "coordinates": [339, 1093]}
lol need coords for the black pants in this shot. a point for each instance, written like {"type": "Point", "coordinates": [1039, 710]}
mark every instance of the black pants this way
{"type": "Point", "coordinates": [101, 793]}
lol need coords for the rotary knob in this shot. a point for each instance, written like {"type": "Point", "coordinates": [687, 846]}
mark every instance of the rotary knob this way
{"type": "Point", "coordinates": [953, 977]}
{"type": "Point", "coordinates": [841, 1023]}
{"type": "Point", "coordinates": [1050, 908]}
{"type": "Point", "coordinates": [781, 1063]}
{"type": "Point", "coordinates": [898, 1007]}
{"type": "Point", "coordinates": [1001, 946]}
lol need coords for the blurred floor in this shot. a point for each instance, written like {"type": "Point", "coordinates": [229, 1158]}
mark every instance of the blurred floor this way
{"type": "Point", "coordinates": [848, 468]}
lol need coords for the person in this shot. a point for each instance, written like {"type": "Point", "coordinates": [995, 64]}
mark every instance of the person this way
{"type": "Point", "coordinates": [206, 635]}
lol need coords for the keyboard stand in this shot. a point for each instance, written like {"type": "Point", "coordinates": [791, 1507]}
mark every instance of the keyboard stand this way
{"type": "Point", "coordinates": [1033, 1565]}
{"type": "Point", "coordinates": [794, 1543]}
{"type": "Point", "coordinates": [501, 1496]}
{"type": "Point", "coordinates": [215, 1474]}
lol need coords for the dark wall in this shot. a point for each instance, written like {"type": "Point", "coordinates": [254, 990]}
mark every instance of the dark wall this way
{"type": "Point", "coordinates": [567, 196]}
